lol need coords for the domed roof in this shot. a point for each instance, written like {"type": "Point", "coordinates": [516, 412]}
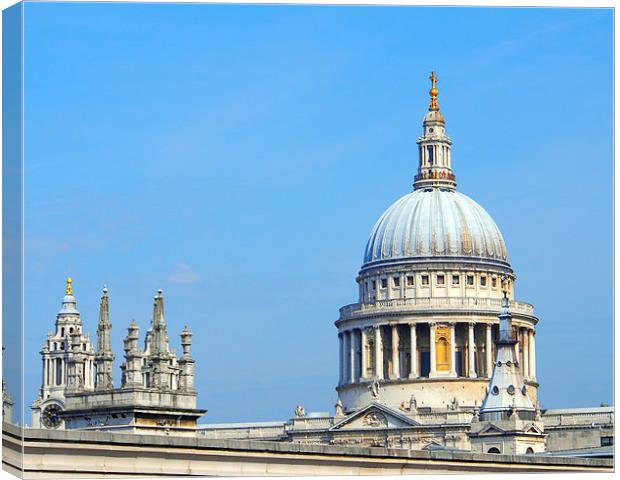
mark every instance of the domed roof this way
{"type": "Point", "coordinates": [435, 223]}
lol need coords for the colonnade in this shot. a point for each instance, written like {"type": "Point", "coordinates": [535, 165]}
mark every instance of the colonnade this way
{"type": "Point", "coordinates": [427, 350]}
{"type": "Point", "coordinates": [55, 372]}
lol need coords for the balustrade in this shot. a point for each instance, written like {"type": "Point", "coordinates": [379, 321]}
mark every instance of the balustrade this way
{"type": "Point", "coordinates": [433, 303]}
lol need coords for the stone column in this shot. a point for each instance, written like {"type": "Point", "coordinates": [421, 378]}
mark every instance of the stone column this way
{"type": "Point", "coordinates": [351, 356]}
{"type": "Point", "coordinates": [471, 351]}
{"type": "Point", "coordinates": [345, 357]}
{"type": "Point", "coordinates": [413, 372]}
{"type": "Point", "coordinates": [340, 350]}
{"type": "Point", "coordinates": [489, 351]}
{"type": "Point", "coordinates": [433, 369]}
{"type": "Point", "coordinates": [364, 363]}
{"type": "Point", "coordinates": [532, 344]}
{"type": "Point", "coordinates": [395, 353]}
{"type": "Point", "coordinates": [453, 349]}
{"type": "Point", "coordinates": [517, 345]}
{"type": "Point", "coordinates": [378, 354]}
{"type": "Point", "coordinates": [526, 355]}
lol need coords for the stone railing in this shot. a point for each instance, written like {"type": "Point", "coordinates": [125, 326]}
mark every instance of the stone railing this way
{"type": "Point", "coordinates": [457, 303]}
{"type": "Point", "coordinates": [310, 423]}
{"type": "Point", "coordinates": [444, 418]}
{"type": "Point", "coordinates": [253, 431]}
{"type": "Point", "coordinates": [567, 418]}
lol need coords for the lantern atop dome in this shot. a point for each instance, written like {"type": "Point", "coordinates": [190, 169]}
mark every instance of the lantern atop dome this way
{"type": "Point", "coordinates": [435, 160]}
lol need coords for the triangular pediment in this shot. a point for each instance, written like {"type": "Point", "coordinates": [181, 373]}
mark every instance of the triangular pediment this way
{"type": "Point", "coordinates": [372, 416]}
{"type": "Point", "coordinates": [531, 428]}
{"type": "Point", "coordinates": [491, 430]}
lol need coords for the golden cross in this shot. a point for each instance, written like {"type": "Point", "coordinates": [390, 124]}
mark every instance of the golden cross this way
{"type": "Point", "coordinates": [69, 289]}
{"type": "Point", "coordinates": [433, 79]}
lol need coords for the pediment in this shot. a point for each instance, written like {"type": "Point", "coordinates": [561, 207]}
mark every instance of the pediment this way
{"type": "Point", "coordinates": [531, 428]}
{"type": "Point", "coordinates": [491, 430]}
{"type": "Point", "coordinates": [374, 416]}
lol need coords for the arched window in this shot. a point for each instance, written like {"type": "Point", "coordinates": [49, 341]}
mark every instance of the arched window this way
{"type": "Point", "coordinates": [431, 156]}
{"type": "Point", "coordinates": [493, 450]}
{"type": "Point", "coordinates": [62, 332]}
{"type": "Point", "coordinates": [71, 330]}
{"type": "Point", "coordinates": [529, 451]}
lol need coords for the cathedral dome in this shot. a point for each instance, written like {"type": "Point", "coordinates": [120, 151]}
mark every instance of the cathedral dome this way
{"type": "Point", "coordinates": [435, 223]}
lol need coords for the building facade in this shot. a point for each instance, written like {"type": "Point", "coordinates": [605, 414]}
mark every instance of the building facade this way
{"type": "Point", "coordinates": [156, 392]}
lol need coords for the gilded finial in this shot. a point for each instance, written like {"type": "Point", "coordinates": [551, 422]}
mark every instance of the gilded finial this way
{"type": "Point", "coordinates": [433, 106]}
{"type": "Point", "coordinates": [69, 289]}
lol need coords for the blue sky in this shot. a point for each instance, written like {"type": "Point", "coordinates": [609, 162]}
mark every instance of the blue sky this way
{"type": "Point", "coordinates": [238, 156]}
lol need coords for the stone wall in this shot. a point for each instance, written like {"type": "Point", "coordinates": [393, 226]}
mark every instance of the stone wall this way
{"type": "Point", "coordinates": [75, 454]}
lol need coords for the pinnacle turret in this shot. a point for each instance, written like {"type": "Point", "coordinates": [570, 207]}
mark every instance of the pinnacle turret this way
{"type": "Point", "coordinates": [159, 351]}
{"type": "Point", "coordinates": [104, 357]}
{"type": "Point", "coordinates": [507, 393]}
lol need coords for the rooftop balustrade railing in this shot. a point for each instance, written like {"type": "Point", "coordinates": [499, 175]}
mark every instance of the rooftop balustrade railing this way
{"type": "Point", "coordinates": [428, 303]}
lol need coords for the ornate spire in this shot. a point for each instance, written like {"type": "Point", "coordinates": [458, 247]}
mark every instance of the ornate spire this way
{"type": "Point", "coordinates": [104, 358]}
{"type": "Point", "coordinates": [159, 341]}
{"type": "Point", "coordinates": [69, 289]}
{"type": "Point", "coordinates": [159, 357]}
{"type": "Point", "coordinates": [435, 159]}
{"type": "Point", "coordinates": [507, 393]}
{"type": "Point", "coordinates": [433, 92]}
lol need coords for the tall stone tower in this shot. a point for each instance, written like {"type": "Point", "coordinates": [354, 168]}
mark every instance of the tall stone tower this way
{"type": "Point", "coordinates": [104, 357]}
{"type": "Point", "coordinates": [68, 358]}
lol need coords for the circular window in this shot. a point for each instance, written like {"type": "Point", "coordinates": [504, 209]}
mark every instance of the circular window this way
{"type": "Point", "coordinates": [495, 390]}
{"type": "Point", "coordinates": [499, 364]}
{"type": "Point", "coordinates": [430, 130]}
{"type": "Point", "coordinates": [511, 389]}
{"type": "Point", "coordinates": [508, 363]}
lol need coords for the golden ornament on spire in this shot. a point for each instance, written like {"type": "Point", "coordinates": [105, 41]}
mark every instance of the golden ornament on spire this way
{"type": "Point", "coordinates": [69, 289]}
{"type": "Point", "coordinates": [433, 106]}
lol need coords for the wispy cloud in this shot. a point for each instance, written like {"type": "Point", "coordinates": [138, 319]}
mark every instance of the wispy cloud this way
{"type": "Point", "coordinates": [182, 273]}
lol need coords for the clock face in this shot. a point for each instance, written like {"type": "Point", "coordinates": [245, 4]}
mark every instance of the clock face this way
{"type": "Point", "coordinates": [51, 416]}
